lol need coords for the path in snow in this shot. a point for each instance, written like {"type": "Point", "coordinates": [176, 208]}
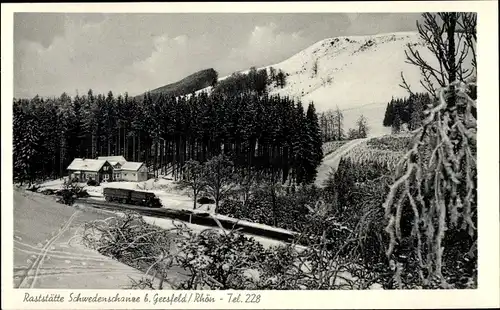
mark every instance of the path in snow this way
{"type": "Point", "coordinates": [332, 160]}
{"type": "Point", "coordinates": [46, 256]}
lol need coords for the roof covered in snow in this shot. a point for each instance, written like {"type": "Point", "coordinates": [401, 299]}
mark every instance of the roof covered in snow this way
{"type": "Point", "coordinates": [80, 164]}
{"type": "Point", "coordinates": [113, 160]}
{"type": "Point", "coordinates": [131, 165]}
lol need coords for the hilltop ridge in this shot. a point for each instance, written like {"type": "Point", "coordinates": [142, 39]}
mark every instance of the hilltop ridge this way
{"type": "Point", "coordinates": [191, 83]}
{"type": "Point", "coordinates": [359, 74]}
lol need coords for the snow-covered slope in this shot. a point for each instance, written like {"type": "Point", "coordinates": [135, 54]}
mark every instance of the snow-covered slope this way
{"type": "Point", "coordinates": [359, 74]}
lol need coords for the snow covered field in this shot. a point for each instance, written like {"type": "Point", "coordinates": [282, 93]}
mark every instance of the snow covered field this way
{"type": "Point", "coordinates": [166, 190]}
{"type": "Point", "coordinates": [332, 160]}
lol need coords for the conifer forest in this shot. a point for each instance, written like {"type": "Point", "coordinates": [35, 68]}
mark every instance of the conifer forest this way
{"type": "Point", "coordinates": [272, 134]}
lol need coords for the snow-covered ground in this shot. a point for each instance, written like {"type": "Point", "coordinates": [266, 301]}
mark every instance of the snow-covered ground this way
{"type": "Point", "coordinates": [165, 189]}
{"type": "Point", "coordinates": [252, 224]}
{"type": "Point", "coordinates": [169, 224]}
{"type": "Point", "coordinates": [170, 197]}
{"type": "Point", "coordinates": [342, 278]}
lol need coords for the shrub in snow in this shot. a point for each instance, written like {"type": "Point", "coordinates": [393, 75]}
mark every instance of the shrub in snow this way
{"type": "Point", "coordinates": [219, 260]}
{"type": "Point", "coordinates": [48, 191]}
{"type": "Point", "coordinates": [92, 182]}
{"type": "Point", "coordinates": [33, 188]}
{"type": "Point", "coordinates": [281, 207]}
{"type": "Point", "coordinates": [70, 192]}
{"type": "Point", "coordinates": [216, 259]}
{"type": "Point", "coordinates": [205, 200]}
{"type": "Point", "coordinates": [401, 143]}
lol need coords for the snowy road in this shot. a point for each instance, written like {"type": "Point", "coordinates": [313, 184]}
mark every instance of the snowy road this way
{"type": "Point", "coordinates": [332, 160]}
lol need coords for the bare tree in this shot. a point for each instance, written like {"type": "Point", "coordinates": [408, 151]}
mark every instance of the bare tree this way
{"type": "Point", "coordinates": [450, 37]}
{"type": "Point", "coordinates": [246, 180]}
{"type": "Point", "coordinates": [330, 125]}
{"type": "Point", "coordinates": [193, 179]}
{"type": "Point", "coordinates": [362, 126]}
{"type": "Point", "coordinates": [219, 178]}
{"type": "Point", "coordinates": [339, 124]}
{"type": "Point", "coordinates": [323, 124]}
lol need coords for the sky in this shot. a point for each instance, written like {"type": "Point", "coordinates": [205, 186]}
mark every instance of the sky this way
{"type": "Point", "coordinates": [132, 52]}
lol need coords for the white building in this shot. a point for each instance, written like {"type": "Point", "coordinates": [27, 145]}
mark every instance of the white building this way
{"type": "Point", "coordinates": [124, 170]}
{"type": "Point", "coordinates": [90, 169]}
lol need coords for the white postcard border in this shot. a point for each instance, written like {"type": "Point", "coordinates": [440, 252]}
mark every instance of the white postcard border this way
{"type": "Point", "coordinates": [487, 294]}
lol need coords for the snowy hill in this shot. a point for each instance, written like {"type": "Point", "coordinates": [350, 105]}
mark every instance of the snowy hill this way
{"type": "Point", "coordinates": [359, 74]}
{"type": "Point", "coordinates": [187, 85]}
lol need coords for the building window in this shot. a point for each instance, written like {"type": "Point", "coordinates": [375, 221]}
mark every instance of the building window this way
{"type": "Point", "coordinates": [105, 168]}
{"type": "Point", "coordinates": [133, 174]}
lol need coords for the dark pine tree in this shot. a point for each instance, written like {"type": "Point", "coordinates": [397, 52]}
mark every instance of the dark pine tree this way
{"type": "Point", "coordinates": [313, 147]}
{"type": "Point", "coordinates": [389, 114]}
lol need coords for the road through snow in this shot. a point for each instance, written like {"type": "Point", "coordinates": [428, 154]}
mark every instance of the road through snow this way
{"type": "Point", "coordinates": [332, 160]}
